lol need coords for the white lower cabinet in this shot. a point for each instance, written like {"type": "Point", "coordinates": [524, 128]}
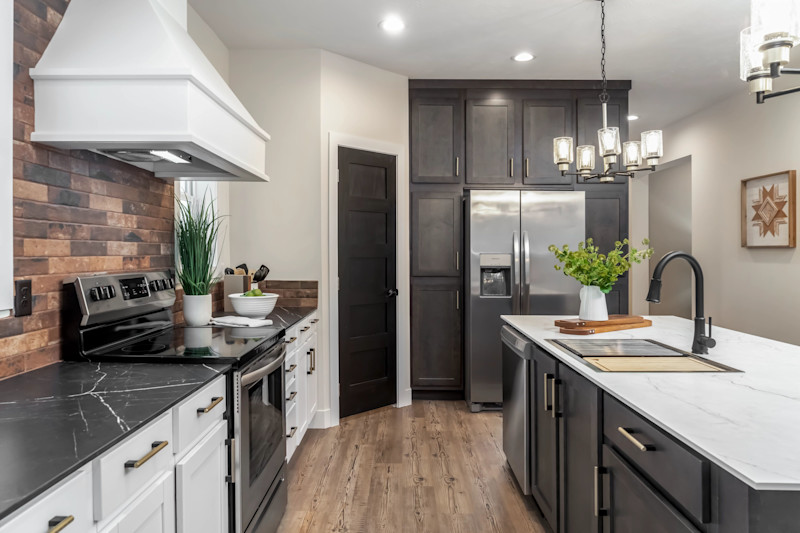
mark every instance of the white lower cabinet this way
{"type": "Point", "coordinates": [68, 504]}
{"type": "Point", "coordinates": [153, 511]}
{"type": "Point", "coordinates": [303, 353]}
{"type": "Point", "coordinates": [201, 490]}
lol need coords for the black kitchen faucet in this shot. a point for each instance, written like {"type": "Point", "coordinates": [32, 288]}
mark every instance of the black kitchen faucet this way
{"type": "Point", "coordinates": [702, 342]}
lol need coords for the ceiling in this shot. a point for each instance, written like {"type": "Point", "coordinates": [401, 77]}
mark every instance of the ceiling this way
{"type": "Point", "coordinates": [681, 55]}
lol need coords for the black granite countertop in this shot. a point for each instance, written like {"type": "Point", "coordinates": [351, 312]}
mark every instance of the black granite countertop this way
{"type": "Point", "coordinates": [289, 316]}
{"type": "Point", "coordinates": [58, 418]}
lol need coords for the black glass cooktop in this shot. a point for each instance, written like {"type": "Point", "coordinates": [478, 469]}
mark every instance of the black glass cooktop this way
{"type": "Point", "coordinates": [185, 345]}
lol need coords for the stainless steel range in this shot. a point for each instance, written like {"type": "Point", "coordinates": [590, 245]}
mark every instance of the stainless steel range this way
{"type": "Point", "coordinates": [128, 317]}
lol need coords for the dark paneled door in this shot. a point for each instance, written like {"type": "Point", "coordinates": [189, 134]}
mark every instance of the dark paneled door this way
{"type": "Point", "coordinates": [437, 140]}
{"type": "Point", "coordinates": [490, 142]}
{"type": "Point", "coordinates": [542, 121]}
{"type": "Point", "coordinates": [367, 265]}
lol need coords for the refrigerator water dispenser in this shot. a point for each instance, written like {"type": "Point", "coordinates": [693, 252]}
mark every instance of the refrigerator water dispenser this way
{"type": "Point", "coordinates": [496, 275]}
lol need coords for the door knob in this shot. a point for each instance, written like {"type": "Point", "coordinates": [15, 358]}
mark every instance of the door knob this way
{"type": "Point", "coordinates": [391, 293]}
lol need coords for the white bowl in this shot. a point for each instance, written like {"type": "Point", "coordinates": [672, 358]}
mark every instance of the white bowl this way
{"type": "Point", "coordinates": [253, 306]}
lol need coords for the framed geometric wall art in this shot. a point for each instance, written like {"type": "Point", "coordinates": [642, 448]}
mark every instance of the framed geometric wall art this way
{"type": "Point", "coordinates": [768, 211]}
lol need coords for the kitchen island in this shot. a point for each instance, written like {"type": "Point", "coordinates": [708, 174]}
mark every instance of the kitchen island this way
{"type": "Point", "coordinates": [737, 434]}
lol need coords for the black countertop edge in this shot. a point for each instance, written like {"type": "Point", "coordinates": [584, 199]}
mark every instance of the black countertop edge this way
{"type": "Point", "coordinates": [35, 421]}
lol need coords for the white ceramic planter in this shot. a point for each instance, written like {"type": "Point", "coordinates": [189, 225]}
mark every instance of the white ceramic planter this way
{"type": "Point", "coordinates": [593, 304]}
{"type": "Point", "coordinates": [197, 309]}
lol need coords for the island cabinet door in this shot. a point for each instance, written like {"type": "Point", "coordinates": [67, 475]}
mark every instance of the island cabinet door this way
{"type": "Point", "coordinates": [577, 404]}
{"type": "Point", "coordinates": [631, 505]}
{"type": "Point", "coordinates": [201, 491]}
{"type": "Point", "coordinates": [544, 436]}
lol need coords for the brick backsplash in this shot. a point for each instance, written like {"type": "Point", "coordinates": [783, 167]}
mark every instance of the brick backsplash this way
{"type": "Point", "coordinates": [292, 293]}
{"type": "Point", "coordinates": [75, 212]}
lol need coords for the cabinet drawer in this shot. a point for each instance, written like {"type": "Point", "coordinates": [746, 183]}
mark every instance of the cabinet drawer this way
{"type": "Point", "coordinates": [682, 475]}
{"type": "Point", "coordinates": [72, 498]}
{"type": "Point", "coordinates": [132, 465]}
{"type": "Point", "coordinates": [291, 341]}
{"type": "Point", "coordinates": [198, 414]}
{"type": "Point", "coordinates": [630, 504]}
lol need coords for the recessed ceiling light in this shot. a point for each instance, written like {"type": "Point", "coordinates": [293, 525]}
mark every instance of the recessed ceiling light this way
{"type": "Point", "coordinates": [392, 24]}
{"type": "Point", "coordinates": [523, 56]}
{"type": "Point", "coordinates": [633, 117]}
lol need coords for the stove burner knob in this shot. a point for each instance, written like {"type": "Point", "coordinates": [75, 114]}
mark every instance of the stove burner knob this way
{"type": "Point", "coordinates": [162, 284]}
{"type": "Point", "coordinates": [153, 286]}
{"type": "Point", "coordinates": [171, 283]}
{"type": "Point", "coordinates": [104, 294]}
{"type": "Point", "coordinates": [94, 294]}
{"type": "Point", "coordinates": [112, 291]}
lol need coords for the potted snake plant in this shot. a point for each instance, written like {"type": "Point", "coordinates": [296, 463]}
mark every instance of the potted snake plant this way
{"type": "Point", "coordinates": [197, 228]}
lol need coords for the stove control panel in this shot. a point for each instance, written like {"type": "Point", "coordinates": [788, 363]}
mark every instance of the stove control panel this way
{"type": "Point", "coordinates": [115, 296]}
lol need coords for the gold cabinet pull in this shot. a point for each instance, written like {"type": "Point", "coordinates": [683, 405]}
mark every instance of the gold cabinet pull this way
{"type": "Point", "coordinates": [527, 167]}
{"type": "Point", "coordinates": [291, 369]}
{"type": "Point", "coordinates": [232, 465]}
{"type": "Point", "coordinates": [456, 165]}
{"type": "Point", "coordinates": [512, 167]}
{"type": "Point", "coordinates": [315, 321]}
{"type": "Point", "coordinates": [636, 442]}
{"type": "Point", "coordinates": [305, 329]}
{"type": "Point", "coordinates": [292, 396]}
{"type": "Point", "coordinates": [292, 432]}
{"type": "Point", "coordinates": [215, 401]}
{"type": "Point", "coordinates": [157, 447]}
{"type": "Point", "coordinates": [58, 523]}
{"type": "Point", "coordinates": [547, 377]}
{"type": "Point", "coordinates": [290, 341]}
{"type": "Point", "coordinates": [313, 353]}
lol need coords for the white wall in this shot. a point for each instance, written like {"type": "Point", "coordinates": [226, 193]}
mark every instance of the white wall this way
{"type": "Point", "coordinates": [278, 223]}
{"type": "Point", "coordinates": [216, 52]}
{"type": "Point", "coordinates": [751, 290]}
{"type": "Point", "coordinates": [362, 101]}
{"type": "Point", "coordinates": [6, 147]}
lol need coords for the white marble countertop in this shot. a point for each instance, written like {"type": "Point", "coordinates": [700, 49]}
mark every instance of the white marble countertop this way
{"type": "Point", "coordinates": [748, 423]}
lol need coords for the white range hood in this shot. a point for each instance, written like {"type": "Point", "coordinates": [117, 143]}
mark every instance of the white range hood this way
{"type": "Point", "coordinates": [124, 78]}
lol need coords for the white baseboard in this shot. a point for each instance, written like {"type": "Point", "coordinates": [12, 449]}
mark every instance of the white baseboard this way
{"type": "Point", "coordinates": [321, 420]}
{"type": "Point", "coordinates": [404, 398]}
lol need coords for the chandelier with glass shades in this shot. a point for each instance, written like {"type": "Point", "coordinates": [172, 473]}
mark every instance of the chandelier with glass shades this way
{"type": "Point", "coordinates": [649, 149]}
{"type": "Point", "coordinates": [766, 46]}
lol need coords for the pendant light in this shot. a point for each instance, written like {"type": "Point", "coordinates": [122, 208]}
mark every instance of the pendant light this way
{"type": "Point", "coordinates": [766, 46]}
{"type": "Point", "coordinates": [610, 148]}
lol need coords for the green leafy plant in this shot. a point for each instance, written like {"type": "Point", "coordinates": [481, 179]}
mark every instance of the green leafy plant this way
{"type": "Point", "coordinates": [590, 267]}
{"type": "Point", "coordinates": [197, 228]}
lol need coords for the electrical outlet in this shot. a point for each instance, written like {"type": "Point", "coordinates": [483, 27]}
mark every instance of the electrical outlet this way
{"type": "Point", "coordinates": [23, 298]}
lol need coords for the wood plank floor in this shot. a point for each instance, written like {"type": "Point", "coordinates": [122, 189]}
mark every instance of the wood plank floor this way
{"type": "Point", "coordinates": [430, 467]}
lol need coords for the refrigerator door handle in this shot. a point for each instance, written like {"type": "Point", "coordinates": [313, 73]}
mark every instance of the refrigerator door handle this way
{"type": "Point", "coordinates": [515, 274]}
{"type": "Point", "coordinates": [525, 307]}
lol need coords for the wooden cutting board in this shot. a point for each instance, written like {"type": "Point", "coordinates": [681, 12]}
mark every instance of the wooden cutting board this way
{"type": "Point", "coordinates": [605, 329]}
{"type": "Point", "coordinates": [651, 364]}
{"type": "Point", "coordinates": [613, 320]}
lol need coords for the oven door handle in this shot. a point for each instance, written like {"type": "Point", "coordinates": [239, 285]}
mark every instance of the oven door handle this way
{"type": "Point", "coordinates": [255, 375]}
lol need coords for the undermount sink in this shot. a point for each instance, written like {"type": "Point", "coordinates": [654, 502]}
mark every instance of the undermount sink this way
{"type": "Point", "coordinates": [637, 355]}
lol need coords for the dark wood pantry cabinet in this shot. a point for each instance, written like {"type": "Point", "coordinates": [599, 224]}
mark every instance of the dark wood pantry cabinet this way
{"type": "Point", "coordinates": [468, 134]}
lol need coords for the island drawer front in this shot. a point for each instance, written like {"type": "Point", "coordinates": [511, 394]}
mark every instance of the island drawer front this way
{"type": "Point", "coordinates": [70, 498]}
{"type": "Point", "coordinates": [679, 472]}
{"type": "Point", "coordinates": [198, 414]}
{"type": "Point", "coordinates": [115, 483]}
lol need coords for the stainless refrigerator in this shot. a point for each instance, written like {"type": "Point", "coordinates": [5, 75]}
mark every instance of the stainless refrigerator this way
{"type": "Point", "coordinates": [510, 271]}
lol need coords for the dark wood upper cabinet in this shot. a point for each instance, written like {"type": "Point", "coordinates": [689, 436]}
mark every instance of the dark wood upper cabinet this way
{"type": "Point", "coordinates": [436, 234]}
{"type": "Point", "coordinates": [607, 223]}
{"type": "Point", "coordinates": [436, 360]}
{"type": "Point", "coordinates": [590, 119]}
{"type": "Point", "coordinates": [437, 140]}
{"type": "Point", "coordinates": [490, 142]}
{"type": "Point", "coordinates": [542, 121]}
